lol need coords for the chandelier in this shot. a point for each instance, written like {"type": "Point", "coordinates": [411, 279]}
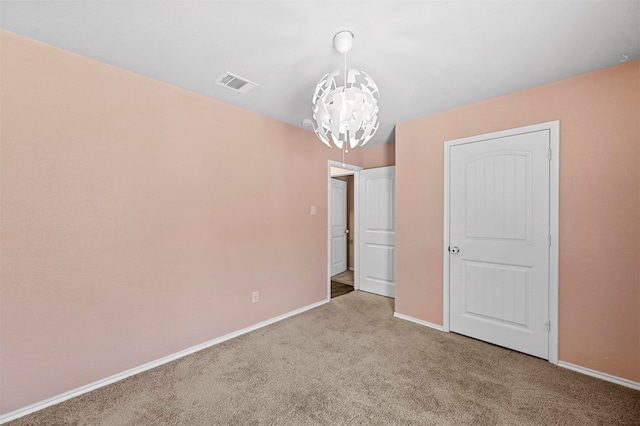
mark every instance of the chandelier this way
{"type": "Point", "coordinates": [346, 115]}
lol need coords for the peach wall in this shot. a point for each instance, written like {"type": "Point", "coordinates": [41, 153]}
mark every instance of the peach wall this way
{"type": "Point", "coordinates": [599, 113]}
{"type": "Point", "coordinates": [379, 155]}
{"type": "Point", "coordinates": [124, 239]}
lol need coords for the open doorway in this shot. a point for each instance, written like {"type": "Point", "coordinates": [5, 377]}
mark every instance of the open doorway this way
{"type": "Point", "coordinates": [342, 243]}
{"type": "Point", "coordinates": [342, 228]}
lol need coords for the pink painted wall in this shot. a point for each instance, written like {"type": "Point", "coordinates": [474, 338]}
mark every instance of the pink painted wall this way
{"type": "Point", "coordinates": [379, 155]}
{"type": "Point", "coordinates": [599, 113]}
{"type": "Point", "coordinates": [137, 218]}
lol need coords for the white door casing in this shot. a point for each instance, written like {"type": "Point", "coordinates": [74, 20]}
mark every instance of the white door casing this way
{"type": "Point", "coordinates": [338, 226]}
{"type": "Point", "coordinates": [498, 217]}
{"type": "Point", "coordinates": [377, 231]}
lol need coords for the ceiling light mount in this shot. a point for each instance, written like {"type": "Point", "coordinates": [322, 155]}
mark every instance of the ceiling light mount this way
{"type": "Point", "coordinates": [343, 41]}
{"type": "Point", "coordinates": [345, 115]}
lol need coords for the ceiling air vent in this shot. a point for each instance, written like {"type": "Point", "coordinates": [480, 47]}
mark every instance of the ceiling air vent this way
{"type": "Point", "coordinates": [235, 83]}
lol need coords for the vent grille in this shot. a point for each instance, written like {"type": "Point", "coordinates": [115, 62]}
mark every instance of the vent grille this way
{"type": "Point", "coordinates": [236, 83]}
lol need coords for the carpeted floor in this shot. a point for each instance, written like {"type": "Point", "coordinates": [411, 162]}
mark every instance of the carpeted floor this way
{"type": "Point", "coordinates": [350, 362]}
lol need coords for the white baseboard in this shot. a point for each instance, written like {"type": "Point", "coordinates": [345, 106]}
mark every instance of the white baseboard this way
{"type": "Point", "coordinates": [20, 412]}
{"type": "Point", "coordinates": [584, 370]}
{"type": "Point", "coordinates": [604, 376]}
{"type": "Point", "coordinates": [418, 321]}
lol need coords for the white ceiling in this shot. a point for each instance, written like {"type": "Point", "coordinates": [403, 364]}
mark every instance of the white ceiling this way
{"type": "Point", "coordinates": [425, 57]}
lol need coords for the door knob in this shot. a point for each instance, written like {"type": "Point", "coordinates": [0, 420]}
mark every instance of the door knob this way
{"type": "Point", "coordinates": [346, 231]}
{"type": "Point", "coordinates": [454, 250]}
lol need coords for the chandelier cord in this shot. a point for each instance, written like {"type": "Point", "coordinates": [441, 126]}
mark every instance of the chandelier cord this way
{"type": "Point", "coordinates": [346, 142]}
{"type": "Point", "coordinates": [345, 71]}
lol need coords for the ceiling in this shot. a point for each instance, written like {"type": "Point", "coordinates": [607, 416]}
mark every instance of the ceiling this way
{"type": "Point", "coordinates": [425, 57]}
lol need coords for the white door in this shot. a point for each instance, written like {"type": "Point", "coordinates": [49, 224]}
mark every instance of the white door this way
{"type": "Point", "coordinates": [338, 226]}
{"type": "Point", "coordinates": [377, 231]}
{"type": "Point", "coordinates": [499, 241]}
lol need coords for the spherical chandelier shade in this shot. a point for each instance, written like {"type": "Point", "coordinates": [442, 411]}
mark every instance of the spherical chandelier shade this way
{"type": "Point", "coordinates": [345, 115]}
{"type": "Point", "coordinates": [348, 112]}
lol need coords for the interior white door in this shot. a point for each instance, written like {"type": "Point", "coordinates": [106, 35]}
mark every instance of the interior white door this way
{"type": "Point", "coordinates": [377, 231]}
{"type": "Point", "coordinates": [499, 241]}
{"type": "Point", "coordinates": [338, 226]}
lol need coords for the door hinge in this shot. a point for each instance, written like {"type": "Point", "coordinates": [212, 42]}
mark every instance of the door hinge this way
{"type": "Point", "coordinates": [549, 154]}
{"type": "Point", "coordinates": [548, 323]}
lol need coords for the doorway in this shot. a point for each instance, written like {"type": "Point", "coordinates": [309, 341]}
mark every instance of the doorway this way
{"type": "Point", "coordinates": [501, 238]}
{"type": "Point", "coordinates": [342, 217]}
{"type": "Point", "coordinates": [342, 246]}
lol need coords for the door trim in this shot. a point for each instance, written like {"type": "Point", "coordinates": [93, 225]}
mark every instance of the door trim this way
{"type": "Point", "coordinates": [355, 171]}
{"type": "Point", "coordinates": [554, 202]}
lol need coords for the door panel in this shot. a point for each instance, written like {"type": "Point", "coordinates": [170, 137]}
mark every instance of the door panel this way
{"type": "Point", "coordinates": [380, 203]}
{"type": "Point", "coordinates": [338, 226]}
{"type": "Point", "coordinates": [377, 231]}
{"type": "Point", "coordinates": [497, 293]}
{"type": "Point", "coordinates": [498, 195]}
{"type": "Point", "coordinates": [499, 220]}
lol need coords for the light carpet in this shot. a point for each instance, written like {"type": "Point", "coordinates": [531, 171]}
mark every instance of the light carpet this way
{"type": "Point", "coordinates": [350, 362]}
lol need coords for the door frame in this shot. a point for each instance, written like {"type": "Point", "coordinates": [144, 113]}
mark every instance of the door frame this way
{"type": "Point", "coordinates": [355, 171]}
{"type": "Point", "coordinates": [554, 199]}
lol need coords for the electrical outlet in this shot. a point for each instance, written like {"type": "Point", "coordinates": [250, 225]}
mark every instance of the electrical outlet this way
{"type": "Point", "coordinates": [313, 210]}
{"type": "Point", "coordinates": [255, 297]}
